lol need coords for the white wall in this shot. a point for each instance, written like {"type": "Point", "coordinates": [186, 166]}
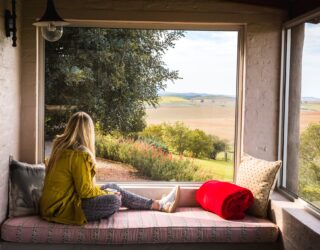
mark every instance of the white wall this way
{"type": "Point", "coordinates": [9, 104]}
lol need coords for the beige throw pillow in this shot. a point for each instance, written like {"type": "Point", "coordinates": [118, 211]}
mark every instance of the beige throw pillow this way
{"type": "Point", "coordinates": [258, 176]}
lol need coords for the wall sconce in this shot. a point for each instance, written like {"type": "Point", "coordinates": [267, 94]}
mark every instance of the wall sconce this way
{"type": "Point", "coordinates": [10, 23]}
{"type": "Point", "coordinates": [51, 23]}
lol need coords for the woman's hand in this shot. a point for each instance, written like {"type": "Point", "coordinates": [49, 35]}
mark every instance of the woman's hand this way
{"type": "Point", "coordinates": [117, 194]}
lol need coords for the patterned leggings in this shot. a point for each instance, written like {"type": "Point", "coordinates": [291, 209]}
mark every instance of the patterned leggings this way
{"type": "Point", "coordinates": [104, 206]}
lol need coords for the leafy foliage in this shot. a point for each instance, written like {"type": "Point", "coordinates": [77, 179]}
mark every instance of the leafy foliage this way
{"type": "Point", "coordinates": [109, 73]}
{"type": "Point", "coordinates": [157, 144]}
{"type": "Point", "coordinates": [176, 136]}
{"type": "Point", "coordinates": [182, 140]}
{"type": "Point", "coordinates": [149, 160]}
{"type": "Point", "coordinates": [199, 143]}
{"type": "Point", "coordinates": [309, 171]}
{"type": "Point", "coordinates": [218, 145]}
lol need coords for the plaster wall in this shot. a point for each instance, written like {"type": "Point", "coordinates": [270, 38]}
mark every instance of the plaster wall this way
{"type": "Point", "coordinates": [263, 37]}
{"type": "Point", "coordinates": [9, 103]}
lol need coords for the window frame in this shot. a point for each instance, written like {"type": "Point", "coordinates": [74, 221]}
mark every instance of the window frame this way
{"type": "Point", "coordinates": [240, 80]}
{"type": "Point", "coordinates": [284, 109]}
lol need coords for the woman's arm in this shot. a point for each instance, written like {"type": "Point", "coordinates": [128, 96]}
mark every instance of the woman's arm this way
{"type": "Point", "coordinates": [82, 178]}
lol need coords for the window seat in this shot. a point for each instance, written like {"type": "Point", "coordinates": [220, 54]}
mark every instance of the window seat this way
{"type": "Point", "coordinates": [188, 224]}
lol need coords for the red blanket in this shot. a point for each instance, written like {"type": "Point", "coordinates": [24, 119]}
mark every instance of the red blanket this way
{"type": "Point", "coordinates": [224, 199]}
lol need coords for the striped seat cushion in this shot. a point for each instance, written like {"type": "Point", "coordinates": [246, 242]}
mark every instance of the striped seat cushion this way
{"type": "Point", "coordinates": [132, 226]}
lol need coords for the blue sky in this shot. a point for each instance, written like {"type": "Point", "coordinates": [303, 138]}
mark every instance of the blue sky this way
{"type": "Point", "coordinates": [206, 61]}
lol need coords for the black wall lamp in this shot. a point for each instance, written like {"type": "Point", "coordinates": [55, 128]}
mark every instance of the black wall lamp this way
{"type": "Point", "coordinates": [51, 23]}
{"type": "Point", "coordinates": [10, 23]}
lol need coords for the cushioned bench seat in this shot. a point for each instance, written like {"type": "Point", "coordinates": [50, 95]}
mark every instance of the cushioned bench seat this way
{"type": "Point", "coordinates": [132, 227]}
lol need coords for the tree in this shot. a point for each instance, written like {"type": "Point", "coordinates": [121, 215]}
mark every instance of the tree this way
{"type": "Point", "coordinates": [176, 137]}
{"type": "Point", "coordinates": [199, 143]}
{"type": "Point", "coordinates": [309, 170]}
{"type": "Point", "coordinates": [218, 145]}
{"type": "Point", "coordinates": [109, 73]}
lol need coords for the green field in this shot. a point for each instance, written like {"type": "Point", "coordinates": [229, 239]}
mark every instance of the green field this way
{"type": "Point", "coordinates": [213, 169]}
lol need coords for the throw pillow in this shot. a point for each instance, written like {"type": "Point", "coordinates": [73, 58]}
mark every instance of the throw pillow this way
{"type": "Point", "coordinates": [258, 176]}
{"type": "Point", "coordinates": [25, 188]}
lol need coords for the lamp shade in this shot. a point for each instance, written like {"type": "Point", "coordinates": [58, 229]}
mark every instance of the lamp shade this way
{"type": "Point", "coordinates": [51, 17]}
{"type": "Point", "coordinates": [51, 23]}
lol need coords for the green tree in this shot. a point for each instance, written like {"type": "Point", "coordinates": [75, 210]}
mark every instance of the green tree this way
{"type": "Point", "coordinates": [109, 73]}
{"type": "Point", "coordinates": [199, 143]}
{"type": "Point", "coordinates": [176, 137]}
{"type": "Point", "coordinates": [309, 170]}
{"type": "Point", "coordinates": [218, 145]}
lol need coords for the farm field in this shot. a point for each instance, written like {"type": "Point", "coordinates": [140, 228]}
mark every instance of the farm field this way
{"type": "Point", "coordinates": [310, 113]}
{"type": "Point", "coordinates": [215, 116]}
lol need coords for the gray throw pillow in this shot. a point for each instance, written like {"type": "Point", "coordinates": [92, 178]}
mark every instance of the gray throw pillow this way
{"type": "Point", "coordinates": [25, 188]}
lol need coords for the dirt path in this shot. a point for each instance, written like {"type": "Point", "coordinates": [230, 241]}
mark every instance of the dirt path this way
{"type": "Point", "coordinates": [108, 170]}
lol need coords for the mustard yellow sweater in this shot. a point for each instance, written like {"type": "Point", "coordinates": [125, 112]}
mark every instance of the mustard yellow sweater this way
{"type": "Point", "coordinates": [69, 181]}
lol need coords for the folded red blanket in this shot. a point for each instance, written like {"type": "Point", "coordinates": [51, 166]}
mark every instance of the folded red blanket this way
{"type": "Point", "coordinates": [224, 199]}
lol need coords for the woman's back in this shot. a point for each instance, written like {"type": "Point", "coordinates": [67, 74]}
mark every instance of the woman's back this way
{"type": "Point", "coordinates": [68, 181]}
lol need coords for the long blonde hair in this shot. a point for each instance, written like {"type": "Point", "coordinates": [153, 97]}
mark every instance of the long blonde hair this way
{"type": "Point", "coordinates": [78, 135]}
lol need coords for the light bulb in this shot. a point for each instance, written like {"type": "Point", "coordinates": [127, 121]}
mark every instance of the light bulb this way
{"type": "Point", "coordinates": [51, 32]}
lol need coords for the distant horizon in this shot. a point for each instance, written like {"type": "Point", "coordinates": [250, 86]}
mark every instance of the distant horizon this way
{"type": "Point", "coordinates": [192, 92]}
{"type": "Point", "coordinates": [217, 94]}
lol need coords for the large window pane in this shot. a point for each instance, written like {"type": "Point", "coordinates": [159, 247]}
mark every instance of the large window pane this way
{"type": "Point", "coordinates": [163, 101]}
{"type": "Point", "coordinates": [309, 171]}
{"type": "Point", "coordinates": [302, 158]}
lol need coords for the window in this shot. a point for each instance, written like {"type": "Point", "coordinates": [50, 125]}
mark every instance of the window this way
{"type": "Point", "coordinates": [164, 101]}
{"type": "Point", "coordinates": [301, 172]}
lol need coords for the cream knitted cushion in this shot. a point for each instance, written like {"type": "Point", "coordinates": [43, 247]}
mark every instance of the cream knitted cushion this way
{"type": "Point", "coordinates": [258, 176]}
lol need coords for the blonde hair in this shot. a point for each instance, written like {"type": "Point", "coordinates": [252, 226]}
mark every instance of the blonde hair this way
{"type": "Point", "coordinates": [78, 135]}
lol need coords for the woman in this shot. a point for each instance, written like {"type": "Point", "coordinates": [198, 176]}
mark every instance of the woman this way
{"type": "Point", "coordinates": [70, 195]}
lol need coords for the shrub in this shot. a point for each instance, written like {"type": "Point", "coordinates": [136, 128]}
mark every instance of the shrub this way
{"type": "Point", "coordinates": [154, 132]}
{"type": "Point", "coordinates": [155, 143]}
{"type": "Point", "coordinates": [149, 160]}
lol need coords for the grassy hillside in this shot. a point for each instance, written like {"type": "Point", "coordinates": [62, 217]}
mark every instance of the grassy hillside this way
{"type": "Point", "coordinates": [310, 106]}
{"type": "Point", "coordinates": [213, 170]}
{"type": "Point", "coordinates": [172, 100]}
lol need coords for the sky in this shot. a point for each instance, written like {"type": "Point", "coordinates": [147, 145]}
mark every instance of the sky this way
{"type": "Point", "coordinates": [311, 61]}
{"type": "Point", "coordinates": [206, 60]}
